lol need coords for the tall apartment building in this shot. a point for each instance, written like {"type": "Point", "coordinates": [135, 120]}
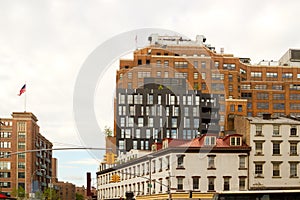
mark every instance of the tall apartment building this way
{"type": "Point", "coordinates": [242, 88]}
{"type": "Point", "coordinates": [30, 170]}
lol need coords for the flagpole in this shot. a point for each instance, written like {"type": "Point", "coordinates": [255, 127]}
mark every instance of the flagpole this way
{"type": "Point", "coordinates": [25, 98]}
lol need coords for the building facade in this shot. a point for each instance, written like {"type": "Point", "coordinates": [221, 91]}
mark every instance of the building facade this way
{"type": "Point", "coordinates": [19, 165]}
{"type": "Point", "coordinates": [268, 87]}
{"type": "Point", "coordinates": [176, 168]}
{"type": "Point", "coordinates": [150, 114]}
{"type": "Point", "coordinates": [65, 190]}
{"type": "Point", "coordinates": [274, 158]}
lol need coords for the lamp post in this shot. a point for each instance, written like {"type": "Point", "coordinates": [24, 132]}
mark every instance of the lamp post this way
{"type": "Point", "coordinates": [31, 181]}
{"type": "Point", "coordinates": [150, 173]}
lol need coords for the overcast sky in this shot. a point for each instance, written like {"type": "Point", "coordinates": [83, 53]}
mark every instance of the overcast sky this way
{"type": "Point", "coordinates": [45, 43]}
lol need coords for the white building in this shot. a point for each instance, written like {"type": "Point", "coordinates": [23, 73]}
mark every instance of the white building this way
{"type": "Point", "coordinates": [190, 168]}
{"type": "Point", "coordinates": [274, 158]}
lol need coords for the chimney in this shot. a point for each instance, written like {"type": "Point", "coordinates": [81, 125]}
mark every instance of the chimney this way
{"type": "Point", "coordinates": [267, 116]}
{"type": "Point", "coordinates": [88, 184]}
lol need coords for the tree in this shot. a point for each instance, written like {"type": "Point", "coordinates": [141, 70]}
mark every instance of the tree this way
{"type": "Point", "coordinates": [108, 132]}
{"type": "Point", "coordinates": [20, 192]}
{"type": "Point", "coordinates": [50, 194]}
{"type": "Point", "coordinates": [79, 196]}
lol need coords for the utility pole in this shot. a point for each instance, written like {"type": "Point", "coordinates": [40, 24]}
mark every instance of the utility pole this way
{"type": "Point", "coordinates": [169, 186]}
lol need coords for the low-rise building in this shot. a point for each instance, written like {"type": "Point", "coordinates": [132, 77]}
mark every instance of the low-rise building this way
{"type": "Point", "coordinates": [177, 168]}
{"type": "Point", "coordinates": [274, 158]}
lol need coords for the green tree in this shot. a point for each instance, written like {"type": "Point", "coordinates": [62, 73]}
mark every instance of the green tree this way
{"type": "Point", "coordinates": [19, 192]}
{"type": "Point", "coordinates": [50, 194]}
{"type": "Point", "coordinates": [108, 132]}
{"type": "Point", "coordinates": [79, 196]}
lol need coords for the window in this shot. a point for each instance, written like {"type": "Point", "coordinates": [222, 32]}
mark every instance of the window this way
{"type": "Point", "coordinates": [179, 183]}
{"type": "Point", "coordinates": [277, 87]}
{"type": "Point", "coordinates": [211, 183]}
{"type": "Point", "coordinates": [166, 63]}
{"type": "Point", "coordinates": [216, 64]}
{"type": "Point", "coordinates": [293, 131]}
{"type": "Point", "coordinates": [180, 159]}
{"type": "Point", "coordinates": [235, 141]}
{"type": "Point", "coordinates": [135, 146]}
{"type": "Point", "coordinates": [195, 183]}
{"type": "Point", "coordinates": [21, 145]}
{"type": "Point", "coordinates": [287, 75]}
{"type": "Point", "coordinates": [245, 87]}
{"type": "Point", "coordinates": [21, 165]}
{"type": "Point", "coordinates": [230, 78]}
{"type": "Point", "coordinates": [293, 169]}
{"type": "Point", "coordinates": [278, 96]}
{"type": "Point", "coordinates": [258, 169]}
{"type": "Point", "coordinates": [168, 162]}
{"type": "Point", "coordinates": [181, 64]}
{"type": "Point", "coordinates": [226, 183]}
{"type": "Point", "coordinates": [258, 129]}
{"type": "Point", "coordinates": [196, 75]}
{"type": "Point", "coordinates": [242, 183]}
{"type": "Point", "coordinates": [5, 174]}
{"type": "Point", "coordinates": [242, 162]}
{"type": "Point", "coordinates": [174, 122]}
{"type": "Point", "coordinates": [276, 169]}
{"type": "Point", "coordinates": [230, 88]}
{"type": "Point", "coordinates": [140, 122]}
{"type": "Point", "coordinates": [21, 135]}
{"type": "Point", "coordinates": [278, 106]}
{"type": "Point", "coordinates": [263, 96]}
{"type": "Point", "coordinates": [211, 161]}
{"type": "Point", "coordinates": [260, 87]}
{"type": "Point", "coordinates": [293, 149]}
{"type": "Point", "coordinates": [228, 66]}
{"type": "Point", "coordinates": [258, 148]}
{"type": "Point", "coordinates": [4, 165]}
{"type": "Point", "coordinates": [203, 75]}
{"type": "Point", "coordinates": [271, 75]}
{"type": "Point", "coordinates": [275, 130]}
{"type": "Point", "coordinates": [121, 145]}
{"type": "Point", "coordinates": [203, 64]}
{"type": "Point", "coordinates": [240, 108]}
{"type": "Point", "coordinates": [232, 108]}
{"type": "Point", "coordinates": [255, 74]}
{"type": "Point", "coordinates": [196, 64]}
{"type": "Point", "coordinates": [21, 174]}
{"type": "Point", "coordinates": [210, 140]}
{"type": "Point", "coordinates": [217, 76]}
{"type": "Point", "coordinates": [262, 105]}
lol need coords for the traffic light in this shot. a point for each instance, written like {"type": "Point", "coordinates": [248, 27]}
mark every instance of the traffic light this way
{"type": "Point", "coordinates": [115, 178]}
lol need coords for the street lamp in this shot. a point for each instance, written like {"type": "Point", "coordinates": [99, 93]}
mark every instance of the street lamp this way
{"type": "Point", "coordinates": [150, 173]}
{"type": "Point", "coordinates": [31, 180]}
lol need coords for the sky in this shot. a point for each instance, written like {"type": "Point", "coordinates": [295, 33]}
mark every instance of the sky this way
{"type": "Point", "coordinates": [45, 44]}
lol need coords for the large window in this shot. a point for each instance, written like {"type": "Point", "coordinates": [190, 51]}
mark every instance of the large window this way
{"type": "Point", "coordinates": [242, 162]}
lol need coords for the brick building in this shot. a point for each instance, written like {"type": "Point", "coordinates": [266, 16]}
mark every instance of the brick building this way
{"type": "Point", "coordinates": [32, 170]}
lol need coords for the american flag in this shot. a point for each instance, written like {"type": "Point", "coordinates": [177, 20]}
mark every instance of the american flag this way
{"type": "Point", "coordinates": [23, 89]}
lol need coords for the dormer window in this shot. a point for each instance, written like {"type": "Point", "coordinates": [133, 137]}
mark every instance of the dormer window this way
{"type": "Point", "coordinates": [235, 141]}
{"type": "Point", "coordinates": [210, 140]}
